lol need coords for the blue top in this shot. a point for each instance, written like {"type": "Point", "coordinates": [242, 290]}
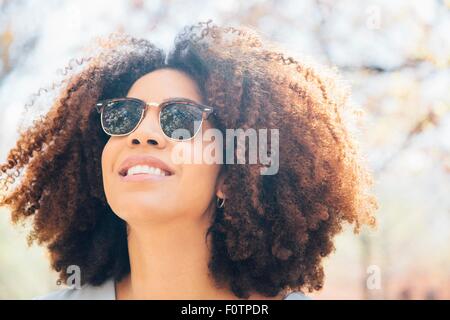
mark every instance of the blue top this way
{"type": "Point", "coordinates": [107, 291]}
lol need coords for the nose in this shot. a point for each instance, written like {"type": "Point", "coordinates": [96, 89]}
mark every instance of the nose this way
{"type": "Point", "coordinates": [148, 132]}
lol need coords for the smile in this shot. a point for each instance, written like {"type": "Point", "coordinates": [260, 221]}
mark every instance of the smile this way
{"type": "Point", "coordinates": [144, 173]}
{"type": "Point", "coordinates": [144, 169]}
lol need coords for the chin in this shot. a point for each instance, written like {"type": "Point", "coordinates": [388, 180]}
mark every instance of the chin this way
{"type": "Point", "coordinates": [144, 212]}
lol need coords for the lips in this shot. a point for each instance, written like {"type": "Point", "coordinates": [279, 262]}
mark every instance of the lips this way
{"type": "Point", "coordinates": [144, 160]}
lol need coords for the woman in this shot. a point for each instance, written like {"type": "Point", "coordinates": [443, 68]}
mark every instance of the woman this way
{"type": "Point", "coordinates": [119, 204]}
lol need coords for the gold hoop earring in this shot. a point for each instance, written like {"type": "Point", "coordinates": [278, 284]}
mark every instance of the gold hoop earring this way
{"type": "Point", "coordinates": [220, 204]}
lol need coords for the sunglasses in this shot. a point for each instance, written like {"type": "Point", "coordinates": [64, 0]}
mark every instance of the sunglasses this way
{"type": "Point", "coordinates": [180, 119]}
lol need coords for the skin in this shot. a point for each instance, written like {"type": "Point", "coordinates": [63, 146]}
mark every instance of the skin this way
{"type": "Point", "coordinates": [167, 220]}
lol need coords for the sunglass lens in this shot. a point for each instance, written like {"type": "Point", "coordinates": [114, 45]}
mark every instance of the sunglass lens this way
{"type": "Point", "coordinates": [180, 121]}
{"type": "Point", "coordinates": [121, 117]}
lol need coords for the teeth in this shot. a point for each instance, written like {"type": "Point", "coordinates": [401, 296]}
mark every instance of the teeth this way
{"type": "Point", "coordinates": [145, 169]}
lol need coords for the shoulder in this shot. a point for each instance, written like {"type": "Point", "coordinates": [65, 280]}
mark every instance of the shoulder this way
{"type": "Point", "coordinates": [296, 295]}
{"type": "Point", "coordinates": [105, 291]}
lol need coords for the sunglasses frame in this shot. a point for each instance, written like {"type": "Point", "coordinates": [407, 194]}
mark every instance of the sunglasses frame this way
{"type": "Point", "coordinates": [206, 112]}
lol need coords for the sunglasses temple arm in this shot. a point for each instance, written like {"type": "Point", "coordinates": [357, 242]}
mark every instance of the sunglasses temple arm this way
{"type": "Point", "coordinates": [207, 111]}
{"type": "Point", "coordinates": [98, 107]}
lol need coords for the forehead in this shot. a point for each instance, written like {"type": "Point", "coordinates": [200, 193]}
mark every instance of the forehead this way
{"type": "Point", "coordinates": [163, 84]}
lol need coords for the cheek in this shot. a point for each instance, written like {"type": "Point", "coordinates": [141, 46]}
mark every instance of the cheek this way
{"type": "Point", "coordinates": [197, 186]}
{"type": "Point", "coordinates": [108, 155]}
{"type": "Point", "coordinates": [199, 176]}
{"type": "Point", "coordinates": [107, 159]}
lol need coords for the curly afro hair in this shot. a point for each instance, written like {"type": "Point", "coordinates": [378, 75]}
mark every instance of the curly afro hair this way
{"type": "Point", "coordinates": [275, 229]}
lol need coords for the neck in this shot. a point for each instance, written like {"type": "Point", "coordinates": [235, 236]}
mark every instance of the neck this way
{"type": "Point", "coordinates": [170, 261]}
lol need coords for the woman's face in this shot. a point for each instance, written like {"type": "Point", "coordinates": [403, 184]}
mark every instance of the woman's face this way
{"type": "Point", "coordinates": [188, 193]}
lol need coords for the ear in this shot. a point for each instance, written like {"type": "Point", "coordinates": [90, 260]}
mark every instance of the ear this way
{"type": "Point", "coordinates": [219, 185]}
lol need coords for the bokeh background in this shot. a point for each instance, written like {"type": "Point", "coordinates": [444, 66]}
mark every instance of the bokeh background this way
{"type": "Point", "coordinates": [396, 56]}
